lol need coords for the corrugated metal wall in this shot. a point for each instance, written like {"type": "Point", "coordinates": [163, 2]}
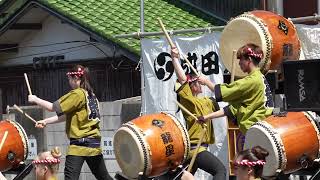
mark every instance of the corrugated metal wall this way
{"type": "Point", "coordinates": [227, 8]}
{"type": "Point", "coordinates": [109, 82]}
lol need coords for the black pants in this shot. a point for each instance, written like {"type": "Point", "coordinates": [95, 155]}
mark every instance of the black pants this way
{"type": "Point", "coordinates": [96, 164]}
{"type": "Point", "coordinates": [211, 164]}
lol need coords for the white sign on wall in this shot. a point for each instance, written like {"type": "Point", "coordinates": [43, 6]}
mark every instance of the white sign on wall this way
{"type": "Point", "coordinates": [107, 147]}
{"type": "Point", "coordinates": [32, 149]}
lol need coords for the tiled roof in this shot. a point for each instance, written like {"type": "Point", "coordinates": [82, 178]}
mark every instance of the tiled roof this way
{"type": "Point", "coordinates": [113, 17]}
{"type": "Point", "coordinates": [14, 6]}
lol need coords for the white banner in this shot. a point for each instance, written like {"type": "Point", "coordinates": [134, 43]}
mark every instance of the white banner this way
{"type": "Point", "coordinates": [159, 79]}
{"type": "Point", "coordinates": [310, 40]}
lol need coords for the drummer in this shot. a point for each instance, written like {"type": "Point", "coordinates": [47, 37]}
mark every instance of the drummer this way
{"type": "Point", "coordinates": [187, 94]}
{"type": "Point", "coordinates": [249, 98]}
{"type": "Point", "coordinates": [248, 165]}
{"type": "Point", "coordinates": [47, 164]}
{"type": "Point", "coordinates": [79, 109]}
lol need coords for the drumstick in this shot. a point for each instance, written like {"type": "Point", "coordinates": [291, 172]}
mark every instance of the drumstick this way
{"type": "Point", "coordinates": [166, 33]}
{"type": "Point", "coordinates": [3, 139]}
{"type": "Point", "coordinates": [198, 147]}
{"type": "Point", "coordinates": [27, 82]}
{"type": "Point", "coordinates": [233, 66]}
{"type": "Point", "coordinates": [180, 172]}
{"type": "Point", "coordinates": [188, 62]}
{"type": "Point", "coordinates": [172, 45]}
{"type": "Point", "coordinates": [201, 136]}
{"type": "Point", "coordinates": [186, 110]}
{"type": "Point", "coordinates": [27, 115]}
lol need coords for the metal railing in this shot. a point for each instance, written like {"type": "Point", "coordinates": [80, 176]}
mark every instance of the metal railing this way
{"type": "Point", "coordinates": [139, 35]}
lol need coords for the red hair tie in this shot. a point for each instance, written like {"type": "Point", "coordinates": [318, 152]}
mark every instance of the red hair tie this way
{"type": "Point", "coordinates": [78, 73]}
{"type": "Point", "coordinates": [248, 163]}
{"type": "Point", "coordinates": [191, 79]}
{"type": "Point", "coordinates": [253, 54]}
{"type": "Point", "coordinates": [47, 161]}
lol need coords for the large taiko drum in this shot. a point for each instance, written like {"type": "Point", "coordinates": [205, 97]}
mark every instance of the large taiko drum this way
{"type": "Point", "coordinates": [13, 145]}
{"type": "Point", "coordinates": [151, 144]}
{"type": "Point", "coordinates": [273, 33]}
{"type": "Point", "coordinates": [292, 141]}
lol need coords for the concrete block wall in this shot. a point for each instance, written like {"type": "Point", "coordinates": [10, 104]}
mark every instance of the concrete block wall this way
{"type": "Point", "coordinates": [113, 115]}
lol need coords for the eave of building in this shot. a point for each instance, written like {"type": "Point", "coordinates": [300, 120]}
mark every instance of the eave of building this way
{"type": "Point", "coordinates": [69, 11]}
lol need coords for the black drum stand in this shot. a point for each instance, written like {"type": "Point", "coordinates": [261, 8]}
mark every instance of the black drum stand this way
{"type": "Point", "coordinates": [22, 171]}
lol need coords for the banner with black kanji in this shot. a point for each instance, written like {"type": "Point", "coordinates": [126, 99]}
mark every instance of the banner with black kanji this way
{"type": "Point", "coordinates": [159, 78]}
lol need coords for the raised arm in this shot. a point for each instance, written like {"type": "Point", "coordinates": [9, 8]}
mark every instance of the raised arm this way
{"type": "Point", "coordinates": [182, 78]}
{"type": "Point", "coordinates": [43, 103]}
{"type": "Point", "coordinates": [205, 81]}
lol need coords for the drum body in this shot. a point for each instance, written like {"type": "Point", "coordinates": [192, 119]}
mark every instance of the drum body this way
{"type": "Point", "coordinates": [276, 36]}
{"type": "Point", "coordinates": [152, 144]}
{"type": "Point", "coordinates": [13, 144]}
{"type": "Point", "coordinates": [290, 140]}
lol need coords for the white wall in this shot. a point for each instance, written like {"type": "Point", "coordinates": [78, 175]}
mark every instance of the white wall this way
{"type": "Point", "coordinates": [54, 31]}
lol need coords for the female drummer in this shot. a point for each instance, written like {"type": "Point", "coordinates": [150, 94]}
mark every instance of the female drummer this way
{"type": "Point", "coordinates": [187, 94]}
{"type": "Point", "coordinates": [47, 164]}
{"type": "Point", "coordinates": [79, 108]}
{"type": "Point", "coordinates": [250, 98]}
{"type": "Point", "coordinates": [248, 164]}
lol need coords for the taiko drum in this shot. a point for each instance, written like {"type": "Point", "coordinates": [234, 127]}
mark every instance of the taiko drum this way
{"type": "Point", "coordinates": [151, 144]}
{"type": "Point", "coordinates": [13, 145]}
{"type": "Point", "coordinates": [276, 35]}
{"type": "Point", "coordinates": [291, 140]}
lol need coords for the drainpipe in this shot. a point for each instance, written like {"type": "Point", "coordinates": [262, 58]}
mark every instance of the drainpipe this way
{"type": "Point", "coordinates": [318, 7]}
{"type": "Point", "coordinates": [143, 103]}
{"type": "Point", "coordinates": [279, 5]}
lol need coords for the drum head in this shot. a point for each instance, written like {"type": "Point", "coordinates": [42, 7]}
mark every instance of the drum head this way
{"type": "Point", "coordinates": [129, 152]}
{"type": "Point", "coordinates": [262, 135]}
{"type": "Point", "coordinates": [237, 33]}
{"type": "Point", "coordinates": [24, 137]}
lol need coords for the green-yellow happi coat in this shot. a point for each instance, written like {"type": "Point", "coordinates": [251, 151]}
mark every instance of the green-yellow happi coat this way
{"type": "Point", "coordinates": [250, 99]}
{"type": "Point", "coordinates": [78, 124]}
{"type": "Point", "coordinates": [199, 107]}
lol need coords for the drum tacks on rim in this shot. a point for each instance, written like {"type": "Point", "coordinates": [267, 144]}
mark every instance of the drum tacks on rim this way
{"type": "Point", "coordinates": [273, 33]}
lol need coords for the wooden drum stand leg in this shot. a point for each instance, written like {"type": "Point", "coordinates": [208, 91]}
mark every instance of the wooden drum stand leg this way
{"type": "Point", "coordinates": [232, 130]}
